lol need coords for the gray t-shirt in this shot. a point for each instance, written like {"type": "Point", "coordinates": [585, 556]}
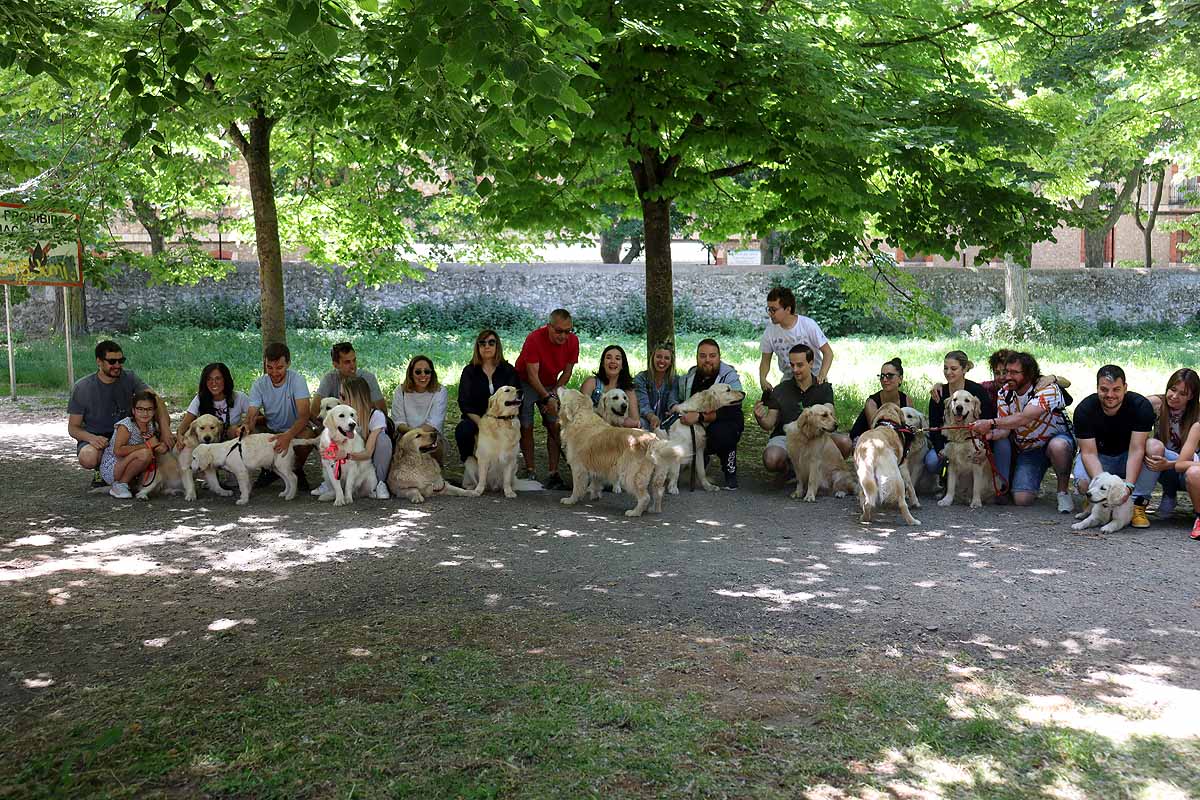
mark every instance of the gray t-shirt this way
{"type": "Point", "coordinates": [104, 404]}
{"type": "Point", "coordinates": [331, 384]}
{"type": "Point", "coordinates": [278, 403]}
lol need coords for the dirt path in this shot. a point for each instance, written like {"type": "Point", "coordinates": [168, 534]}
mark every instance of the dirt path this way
{"type": "Point", "coordinates": [94, 585]}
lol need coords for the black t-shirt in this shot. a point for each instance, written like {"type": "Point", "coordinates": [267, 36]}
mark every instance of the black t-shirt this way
{"type": "Point", "coordinates": [789, 400]}
{"type": "Point", "coordinates": [1112, 434]}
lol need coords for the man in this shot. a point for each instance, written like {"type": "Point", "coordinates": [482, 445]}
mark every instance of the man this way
{"type": "Point", "coordinates": [786, 402]}
{"type": "Point", "coordinates": [723, 427]}
{"type": "Point", "coordinates": [1113, 428]}
{"type": "Point", "coordinates": [547, 359]}
{"type": "Point", "coordinates": [1037, 420]}
{"type": "Point", "coordinates": [279, 404]}
{"type": "Point", "coordinates": [100, 400]}
{"type": "Point", "coordinates": [786, 330]}
{"type": "Point", "coordinates": [345, 365]}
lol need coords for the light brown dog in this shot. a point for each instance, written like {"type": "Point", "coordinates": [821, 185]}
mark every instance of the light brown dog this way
{"type": "Point", "coordinates": [965, 454]}
{"type": "Point", "coordinates": [816, 460]}
{"type": "Point", "coordinates": [692, 439]}
{"type": "Point", "coordinates": [414, 474]}
{"type": "Point", "coordinates": [497, 449]}
{"type": "Point", "coordinates": [878, 456]}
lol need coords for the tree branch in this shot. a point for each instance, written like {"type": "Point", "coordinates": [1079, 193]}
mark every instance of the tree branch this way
{"type": "Point", "coordinates": [730, 171]}
{"type": "Point", "coordinates": [928, 37]}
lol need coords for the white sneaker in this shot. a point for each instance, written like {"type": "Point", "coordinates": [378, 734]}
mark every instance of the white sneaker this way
{"type": "Point", "coordinates": [1066, 504]}
{"type": "Point", "coordinates": [120, 491]}
{"type": "Point", "coordinates": [324, 488]}
{"type": "Point", "coordinates": [381, 492]}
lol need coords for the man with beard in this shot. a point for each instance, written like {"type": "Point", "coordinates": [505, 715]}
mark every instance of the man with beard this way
{"type": "Point", "coordinates": [723, 427]}
{"type": "Point", "coordinates": [1113, 428]}
{"type": "Point", "coordinates": [1036, 417]}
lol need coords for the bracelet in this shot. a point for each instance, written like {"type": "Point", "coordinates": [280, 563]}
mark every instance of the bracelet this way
{"type": "Point", "coordinates": [993, 424]}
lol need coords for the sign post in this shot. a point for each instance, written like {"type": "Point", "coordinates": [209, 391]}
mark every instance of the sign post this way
{"type": "Point", "coordinates": [39, 248]}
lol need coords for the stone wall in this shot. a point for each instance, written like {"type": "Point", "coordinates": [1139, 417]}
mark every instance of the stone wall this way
{"type": "Point", "coordinates": [966, 295]}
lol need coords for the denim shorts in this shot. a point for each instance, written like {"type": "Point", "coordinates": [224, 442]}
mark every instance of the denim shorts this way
{"type": "Point", "coordinates": [1032, 465]}
{"type": "Point", "coordinates": [529, 398]}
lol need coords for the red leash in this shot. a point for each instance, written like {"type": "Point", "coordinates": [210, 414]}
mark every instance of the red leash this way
{"type": "Point", "coordinates": [978, 441]}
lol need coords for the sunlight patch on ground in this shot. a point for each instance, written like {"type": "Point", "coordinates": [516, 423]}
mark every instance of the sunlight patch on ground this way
{"type": "Point", "coordinates": [783, 600]}
{"type": "Point", "coordinates": [857, 548]}
{"type": "Point", "coordinates": [225, 624]}
{"type": "Point", "coordinates": [37, 540]}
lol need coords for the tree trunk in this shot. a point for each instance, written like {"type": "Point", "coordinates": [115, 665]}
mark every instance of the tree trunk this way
{"type": "Point", "coordinates": [148, 216]}
{"type": "Point", "coordinates": [649, 175]}
{"type": "Point", "coordinates": [1093, 238]}
{"type": "Point", "coordinates": [1016, 289]}
{"type": "Point", "coordinates": [256, 150]}
{"type": "Point", "coordinates": [610, 247]}
{"type": "Point", "coordinates": [1093, 247]}
{"type": "Point", "coordinates": [635, 250]}
{"type": "Point", "coordinates": [1147, 228]}
{"type": "Point", "coordinates": [78, 312]}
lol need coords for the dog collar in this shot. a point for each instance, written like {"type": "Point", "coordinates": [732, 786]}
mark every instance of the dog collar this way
{"type": "Point", "coordinates": [331, 454]}
{"type": "Point", "coordinates": [906, 433]}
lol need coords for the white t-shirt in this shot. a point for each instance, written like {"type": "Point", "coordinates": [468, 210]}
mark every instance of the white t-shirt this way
{"type": "Point", "coordinates": [415, 409]}
{"type": "Point", "coordinates": [378, 420]}
{"type": "Point", "coordinates": [229, 416]}
{"type": "Point", "coordinates": [779, 340]}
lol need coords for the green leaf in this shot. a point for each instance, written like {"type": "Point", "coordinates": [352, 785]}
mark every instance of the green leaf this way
{"type": "Point", "coordinates": [133, 85]}
{"type": "Point", "coordinates": [515, 69]}
{"type": "Point", "coordinates": [325, 39]}
{"type": "Point", "coordinates": [132, 136]}
{"type": "Point", "coordinates": [369, 5]}
{"type": "Point", "coordinates": [302, 18]}
{"type": "Point", "coordinates": [518, 125]}
{"type": "Point", "coordinates": [548, 83]}
{"type": "Point", "coordinates": [431, 56]}
{"type": "Point", "coordinates": [35, 66]}
{"type": "Point", "coordinates": [456, 73]}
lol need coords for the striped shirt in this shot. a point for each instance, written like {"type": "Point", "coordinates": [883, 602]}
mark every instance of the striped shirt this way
{"type": "Point", "coordinates": [1046, 425]}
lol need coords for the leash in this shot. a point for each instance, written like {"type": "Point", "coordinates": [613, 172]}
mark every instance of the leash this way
{"type": "Point", "coordinates": [692, 471]}
{"type": "Point", "coordinates": [330, 453]}
{"type": "Point", "coordinates": [979, 442]}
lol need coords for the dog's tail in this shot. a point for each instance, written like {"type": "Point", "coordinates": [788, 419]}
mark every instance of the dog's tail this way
{"type": "Point", "coordinates": [664, 454]}
{"type": "Point", "coordinates": [526, 485]}
{"type": "Point", "coordinates": [306, 442]}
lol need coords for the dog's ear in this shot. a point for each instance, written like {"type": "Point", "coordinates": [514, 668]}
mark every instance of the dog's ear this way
{"type": "Point", "coordinates": [1116, 491]}
{"type": "Point", "coordinates": [330, 423]}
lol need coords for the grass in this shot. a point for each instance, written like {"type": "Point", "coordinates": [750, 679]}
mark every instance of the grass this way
{"type": "Point", "coordinates": [536, 706]}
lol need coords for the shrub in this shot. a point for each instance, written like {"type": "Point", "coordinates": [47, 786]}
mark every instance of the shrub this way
{"type": "Point", "coordinates": [1006, 328]}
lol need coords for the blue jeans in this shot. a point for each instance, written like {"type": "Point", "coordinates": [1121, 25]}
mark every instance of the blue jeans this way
{"type": "Point", "coordinates": [1171, 480]}
{"type": "Point", "coordinates": [1032, 465]}
{"type": "Point", "coordinates": [1115, 465]}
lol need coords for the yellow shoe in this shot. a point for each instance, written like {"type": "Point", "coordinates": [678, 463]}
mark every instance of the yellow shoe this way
{"type": "Point", "coordinates": [1139, 517]}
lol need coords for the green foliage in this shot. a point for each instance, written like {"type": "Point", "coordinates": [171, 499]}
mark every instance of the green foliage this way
{"type": "Point", "coordinates": [1005, 328]}
{"type": "Point", "coordinates": [820, 294]}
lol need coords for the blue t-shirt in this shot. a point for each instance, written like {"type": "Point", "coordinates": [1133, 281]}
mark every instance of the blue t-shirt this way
{"type": "Point", "coordinates": [278, 403]}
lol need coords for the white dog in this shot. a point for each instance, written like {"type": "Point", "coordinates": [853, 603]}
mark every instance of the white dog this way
{"type": "Point", "coordinates": [1112, 504]}
{"type": "Point", "coordinates": [339, 443]}
{"type": "Point", "coordinates": [614, 407]}
{"type": "Point", "coordinates": [239, 456]}
{"type": "Point", "coordinates": [915, 463]}
{"type": "Point", "coordinates": [691, 439]}
{"type": "Point", "coordinates": [965, 454]}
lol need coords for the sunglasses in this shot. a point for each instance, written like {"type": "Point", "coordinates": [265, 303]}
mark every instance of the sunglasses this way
{"type": "Point", "coordinates": [488, 342]}
{"type": "Point", "coordinates": [422, 372]}
{"type": "Point", "coordinates": [563, 331]}
{"type": "Point", "coordinates": [887, 376]}
{"type": "Point", "coordinates": [120, 360]}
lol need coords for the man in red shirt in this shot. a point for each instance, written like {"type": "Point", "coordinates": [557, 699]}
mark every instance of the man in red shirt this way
{"type": "Point", "coordinates": [547, 359]}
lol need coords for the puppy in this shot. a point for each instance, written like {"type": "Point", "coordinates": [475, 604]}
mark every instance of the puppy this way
{"type": "Point", "coordinates": [339, 442]}
{"type": "Point", "coordinates": [498, 448]}
{"type": "Point", "coordinates": [915, 463]}
{"type": "Point", "coordinates": [692, 439]}
{"type": "Point", "coordinates": [327, 403]}
{"type": "Point", "coordinates": [965, 454]}
{"type": "Point", "coordinates": [205, 429]}
{"type": "Point", "coordinates": [598, 451]}
{"type": "Point", "coordinates": [878, 457]}
{"type": "Point", "coordinates": [253, 451]}
{"type": "Point", "coordinates": [414, 473]}
{"type": "Point", "coordinates": [815, 457]}
{"type": "Point", "coordinates": [1112, 504]}
{"type": "Point", "coordinates": [613, 407]}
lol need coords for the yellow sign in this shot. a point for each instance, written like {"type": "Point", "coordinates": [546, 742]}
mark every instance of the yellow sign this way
{"type": "Point", "coordinates": [39, 248]}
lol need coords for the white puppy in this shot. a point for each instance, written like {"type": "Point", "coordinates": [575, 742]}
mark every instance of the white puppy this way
{"type": "Point", "coordinates": [915, 463]}
{"type": "Point", "coordinates": [1112, 504]}
{"type": "Point", "coordinates": [255, 451]}
{"type": "Point", "coordinates": [339, 443]}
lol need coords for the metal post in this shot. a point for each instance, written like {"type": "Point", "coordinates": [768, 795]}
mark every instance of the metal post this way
{"type": "Point", "coordinates": [12, 374]}
{"type": "Point", "coordinates": [67, 330]}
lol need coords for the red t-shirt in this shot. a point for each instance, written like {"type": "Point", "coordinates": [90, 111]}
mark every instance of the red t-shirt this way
{"type": "Point", "coordinates": [551, 359]}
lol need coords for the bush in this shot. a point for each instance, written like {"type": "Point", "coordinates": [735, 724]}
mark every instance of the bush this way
{"type": "Point", "coordinates": [216, 313]}
{"type": "Point", "coordinates": [1006, 328]}
{"type": "Point", "coordinates": [820, 296]}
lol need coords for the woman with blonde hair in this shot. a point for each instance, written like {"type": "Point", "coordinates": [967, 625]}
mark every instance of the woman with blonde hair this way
{"type": "Point", "coordinates": [657, 387]}
{"type": "Point", "coordinates": [372, 426]}
{"type": "Point", "coordinates": [480, 379]}
{"type": "Point", "coordinates": [420, 402]}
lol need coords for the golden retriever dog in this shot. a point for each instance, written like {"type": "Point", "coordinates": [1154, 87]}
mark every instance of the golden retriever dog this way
{"type": "Point", "coordinates": [239, 456]}
{"type": "Point", "coordinates": [966, 455]}
{"type": "Point", "coordinates": [205, 429]}
{"type": "Point", "coordinates": [815, 458]}
{"type": "Point", "coordinates": [414, 474]}
{"type": "Point", "coordinates": [1112, 504]}
{"type": "Point", "coordinates": [597, 451]}
{"type": "Point", "coordinates": [915, 463]}
{"type": "Point", "coordinates": [613, 407]}
{"type": "Point", "coordinates": [498, 448]}
{"type": "Point", "coordinates": [714, 398]}
{"type": "Point", "coordinates": [878, 458]}
{"type": "Point", "coordinates": [327, 403]}
{"type": "Point", "coordinates": [339, 443]}
{"type": "Point", "coordinates": [168, 478]}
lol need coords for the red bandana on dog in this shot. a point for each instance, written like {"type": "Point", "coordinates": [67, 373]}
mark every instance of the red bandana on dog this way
{"type": "Point", "coordinates": [331, 454]}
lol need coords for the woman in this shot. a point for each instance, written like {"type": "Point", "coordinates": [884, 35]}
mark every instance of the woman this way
{"type": "Point", "coordinates": [216, 396]}
{"type": "Point", "coordinates": [480, 379]}
{"type": "Point", "coordinates": [955, 367]}
{"type": "Point", "coordinates": [356, 392]}
{"type": "Point", "coordinates": [1187, 466]}
{"type": "Point", "coordinates": [891, 375]}
{"type": "Point", "coordinates": [613, 373]}
{"type": "Point", "coordinates": [657, 388]}
{"type": "Point", "coordinates": [1178, 409]}
{"type": "Point", "coordinates": [134, 446]}
{"type": "Point", "coordinates": [420, 402]}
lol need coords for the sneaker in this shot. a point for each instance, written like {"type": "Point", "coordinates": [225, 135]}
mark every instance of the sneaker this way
{"type": "Point", "coordinates": [731, 481]}
{"type": "Point", "coordinates": [1196, 529]}
{"type": "Point", "coordinates": [322, 489]}
{"type": "Point", "coordinates": [97, 481]}
{"type": "Point", "coordinates": [265, 478]}
{"type": "Point", "coordinates": [1166, 506]}
{"type": "Point", "coordinates": [729, 469]}
{"type": "Point", "coordinates": [120, 491]}
{"type": "Point", "coordinates": [302, 484]}
{"type": "Point", "coordinates": [1139, 517]}
{"type": "Point", "coordinates": [555, 481]}
{"type": "Point", "coordinates": [1066, 504]}
{"type": "Point", "coordinates": [381, 491]}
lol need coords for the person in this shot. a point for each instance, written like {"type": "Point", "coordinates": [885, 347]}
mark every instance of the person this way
{"type": "Point", "coordinates": [785, 402]}
{"type": "Point", "coordinates": [279, 404]}
{"type": "Point", "coordinates": [135, 443]}
{"type": "Point", "coordinates": [1036, 418]}
{"type": "Point", "coordinates": [345, 365]}
{"type": "Point", "coordinates": [723, 427]}
{"type": "Point", "coordinates": [1113, 428]}
{"type": "Point", "coordinates": [787, 328]}
{"type": "Point", "coordinates": [218, 397]}
{"type": "Point", "coordinates": [420, 402]}
{"type": "Point", "coordinates": [480, 379]}
{"type": "Point", "coordinates": [547, 359]}
{"type": "Point", "coordinates": [613, 373]}
{"type": "Point", "coordinates": [1188, 467]}
{"type": "Point", "coordinates": [1177, 410]}
{"type": "Point", "coordinates": [891, 377]}
{"type": "Point", "coordinates": [98, 401]}
{"type": "Point", "coordinates": [955, 367]}
{"type": "Point", "coordinates": [356, 393]}
{"type": "Point", "coordinates": [657, 387]}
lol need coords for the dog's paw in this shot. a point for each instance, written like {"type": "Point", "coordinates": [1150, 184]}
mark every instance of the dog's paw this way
{"type": "Point", "coordinates": [1111, 527]}
{"type": "Point", "coordinates": [913, 521]}
{"type": "Point", "coordinates": [946, 501]}
{"type": "Point", "coordinates": [976, 504]}
{"type": "Point", "coordinates": [341, 501]}
{"type": "Point", "coordinates": [810, 498]}
{"type": "Point", "coordinates": [568, 501]}
{"type": "Point", "coordinates": [1083, 515]}
{"type": "Point", "coordinates": [672, 490]}
{"type": "Point", "coordinates": [510, 494]}
{"type": "Point", "coordinates": [219, 492]}
{"type": "Point", "coordinates": [839, 495]}
{"type": "Point", "coordinates": [142, 495]}
{"type": "Point", "coordinates": [1079, 526]}
{"type": "Point", "coordinates": [633, 512]}
{"type": "Point", "coordinates": [711, 487]}
{"type": "Point", "coordinates": [796, 494]}
{"type": "Point", "coordinates": [241, 501]}
{"type": "Point", "coordinates": [325, 498]}
{"type": "Point", "coordinates": [416, 498]}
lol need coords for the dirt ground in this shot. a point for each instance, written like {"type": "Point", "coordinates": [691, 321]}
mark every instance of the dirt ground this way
{"type": "Point", "coordinates": [96, 586]}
